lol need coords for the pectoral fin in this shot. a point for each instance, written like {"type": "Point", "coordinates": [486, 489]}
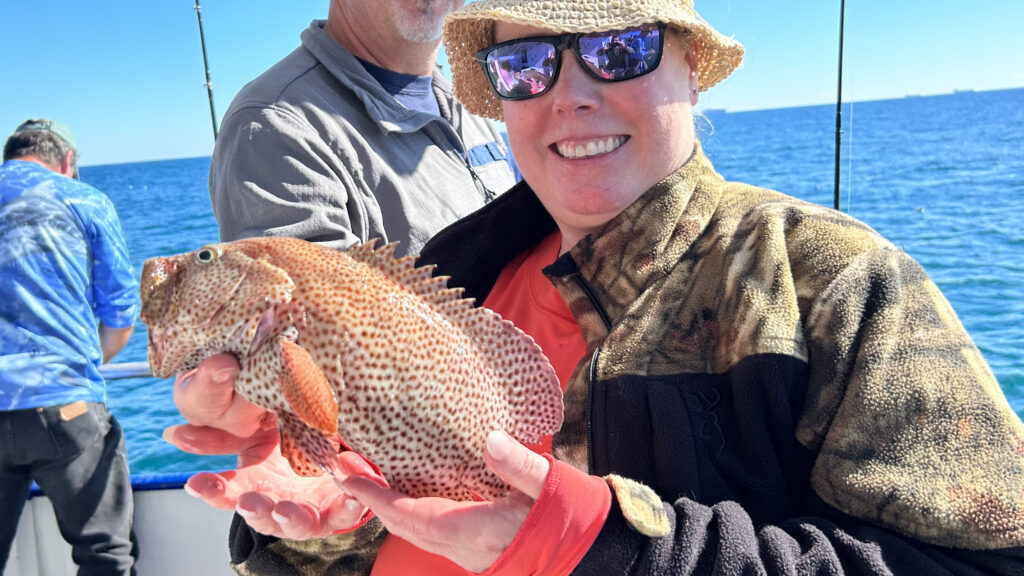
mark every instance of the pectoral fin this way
{"type": "Point", "coordinates": [310, 452]}
{"type": "Point", "coordinates": [306, 389]}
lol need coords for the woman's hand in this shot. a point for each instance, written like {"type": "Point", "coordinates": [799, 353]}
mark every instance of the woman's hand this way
{"type": "Point", "coordinates": [471, 534]}
{"type": "Point", "coordinates": [264, 490]}
{"type": "Point", "coordinates": [206, 397]}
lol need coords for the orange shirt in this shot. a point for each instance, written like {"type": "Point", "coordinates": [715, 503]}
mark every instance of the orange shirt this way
{"type": "Point", "coordinates": [524, 295]}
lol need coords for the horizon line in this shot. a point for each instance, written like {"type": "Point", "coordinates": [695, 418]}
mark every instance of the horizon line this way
{"type": "Point", "coordinates": [698, 108]}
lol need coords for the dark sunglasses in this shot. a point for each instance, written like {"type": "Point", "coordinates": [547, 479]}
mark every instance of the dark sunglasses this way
{"type": "Point", "coordinates": [527, 67]}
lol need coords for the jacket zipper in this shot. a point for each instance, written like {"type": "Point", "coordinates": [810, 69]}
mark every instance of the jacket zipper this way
{"type": "Point", "coordinates": [591, 379]}
{"type": "Point", "coordinates": [593, 300]}
{"type": "Point", "coordinates": [592, 373]}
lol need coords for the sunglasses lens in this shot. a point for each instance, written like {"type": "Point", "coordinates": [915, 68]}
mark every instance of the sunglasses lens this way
{"type": "Point", "coordinates": [521, 69]}
{"type": "Point", "coordinates": [622, 54]}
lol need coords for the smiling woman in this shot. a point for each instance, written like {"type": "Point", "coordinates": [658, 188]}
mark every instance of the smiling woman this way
{"type": "Point", "coordinates": [939, 175]}
{"type": "Point", "coordinates": [744, 374]}
{"type": "Point", "coordinates": [557, 139]}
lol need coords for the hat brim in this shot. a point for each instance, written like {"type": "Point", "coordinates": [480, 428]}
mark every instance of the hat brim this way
{"type": "Point", "coordinates": [471, 29]}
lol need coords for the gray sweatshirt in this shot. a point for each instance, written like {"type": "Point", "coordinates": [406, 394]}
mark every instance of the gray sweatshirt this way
{"type": "Point", "coordinates": [316, 148]}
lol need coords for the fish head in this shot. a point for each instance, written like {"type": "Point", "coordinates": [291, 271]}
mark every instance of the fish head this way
{"type": "Point", "coordinates": [207, 302]}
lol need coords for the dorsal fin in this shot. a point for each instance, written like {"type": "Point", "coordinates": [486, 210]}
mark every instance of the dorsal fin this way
{"type": "Point", "coordinates": [531, 387]}
{"type": "Point", "coordinates": [418, 280]}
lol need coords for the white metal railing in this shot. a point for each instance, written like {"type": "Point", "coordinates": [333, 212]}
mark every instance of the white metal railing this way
{"type": "Point", "coordinates": [124, 370]}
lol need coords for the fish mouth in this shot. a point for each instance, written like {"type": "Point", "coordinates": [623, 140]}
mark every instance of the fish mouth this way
{"type": "Point", "coordinates": [241, 319]}
{"type": "Point", "coordinates": [173, 350]}
{"type": "Point", "coordinates": [155, 351]}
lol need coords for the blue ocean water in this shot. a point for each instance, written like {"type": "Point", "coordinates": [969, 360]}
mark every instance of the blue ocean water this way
{"type": "Point", "coordinates": [941, 176]}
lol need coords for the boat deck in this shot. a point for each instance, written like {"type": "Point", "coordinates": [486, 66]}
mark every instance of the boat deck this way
{"type": "Point", "coordinates": [177, 534]}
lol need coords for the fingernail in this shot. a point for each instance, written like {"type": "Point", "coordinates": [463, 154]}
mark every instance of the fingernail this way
{"type": "Point", "coordinates": [244, 512]}
{"type": "Point", "coordinates": [280, 519]}
{"type": "Point", "coordinates": [352, 505]}
{"type": "Point", "coordinates": [498, 444]}
{"type": "Point", "coordinates": [223, 375]}
{"type": "Point", "coordinates": [168, 434]}
{"type": "Point", "coordinates": [187, 379]}
{"type": "Point", "coordinates": [178, 441]}
{"type": "Point", "coordinates": [205, 485]}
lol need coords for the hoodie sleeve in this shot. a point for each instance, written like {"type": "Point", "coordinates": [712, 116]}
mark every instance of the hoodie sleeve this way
{"type": "Point", "coordinates": [272, 174]}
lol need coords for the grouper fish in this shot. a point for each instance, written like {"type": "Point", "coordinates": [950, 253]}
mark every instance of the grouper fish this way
{"type": "Point", "coordinates": [355, 349]}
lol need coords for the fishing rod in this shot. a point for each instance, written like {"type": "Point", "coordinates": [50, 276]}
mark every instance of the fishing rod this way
{"type": "Point", "coordinates": [206, 65]}
{"type": "Point", "coordinates": [839, 102]}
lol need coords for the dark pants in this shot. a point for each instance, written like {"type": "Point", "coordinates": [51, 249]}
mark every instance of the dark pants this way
{"type": "Point", "coordinates": [82, 467]}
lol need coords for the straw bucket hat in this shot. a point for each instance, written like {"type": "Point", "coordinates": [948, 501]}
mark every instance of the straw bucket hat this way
{"type": "Point", "coordinates": [471, 29]}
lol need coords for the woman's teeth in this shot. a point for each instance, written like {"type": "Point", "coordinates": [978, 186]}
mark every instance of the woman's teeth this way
{"type": "Point", "coordinates": [590, 147]}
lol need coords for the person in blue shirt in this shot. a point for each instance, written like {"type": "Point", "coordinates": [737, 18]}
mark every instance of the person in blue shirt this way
{"type": "Point", "coordinates": [69, 303]}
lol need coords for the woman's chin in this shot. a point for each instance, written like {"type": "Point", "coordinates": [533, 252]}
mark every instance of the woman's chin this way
{"type": "Point", "coordinates": [592, 206]}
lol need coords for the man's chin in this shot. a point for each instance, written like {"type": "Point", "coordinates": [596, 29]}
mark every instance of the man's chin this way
{"type": "Point", "coordinates": [420, 34]}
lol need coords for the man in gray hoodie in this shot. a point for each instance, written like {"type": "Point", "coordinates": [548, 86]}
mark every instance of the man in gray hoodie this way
{"type": "Point", "coordinates": [356, 135]}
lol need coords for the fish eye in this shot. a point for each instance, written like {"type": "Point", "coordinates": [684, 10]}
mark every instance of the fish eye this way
{"type": "Point", "coordinates": [205, 255]}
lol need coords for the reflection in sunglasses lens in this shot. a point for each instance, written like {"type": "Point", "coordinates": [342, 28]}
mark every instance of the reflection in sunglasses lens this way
{"type": "Point", "coordinates": [621, 55]}
{"type": "Point", "coordinates": [521, 69]}
{"type": "Point", "coordinates": [525, 68]}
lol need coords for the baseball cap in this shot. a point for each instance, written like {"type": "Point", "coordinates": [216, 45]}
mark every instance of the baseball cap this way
{"type": "Point", "coordinates": [48, 126]}
{"type": "Point", "coordinates": [52, 126]}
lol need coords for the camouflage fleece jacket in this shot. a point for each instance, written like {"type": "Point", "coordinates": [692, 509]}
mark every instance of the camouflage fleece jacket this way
{"type": "Point", "coordinates": [770, 388]}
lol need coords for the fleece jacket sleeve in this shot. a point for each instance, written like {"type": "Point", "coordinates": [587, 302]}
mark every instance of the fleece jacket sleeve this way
{"type": "Point", "coordinates": [722, 540]}
{"type": "Point", "coordinates": [918, 459]}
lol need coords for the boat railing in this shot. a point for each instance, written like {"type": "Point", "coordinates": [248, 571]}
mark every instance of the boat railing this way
{"type": "Point", "coordinates": [123, 370]}
{"type": "Point", "coordinates": [146, 481]}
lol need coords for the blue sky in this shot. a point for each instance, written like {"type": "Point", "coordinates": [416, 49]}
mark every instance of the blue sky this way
{"type": "Point", "coordinates": [127, 75]}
